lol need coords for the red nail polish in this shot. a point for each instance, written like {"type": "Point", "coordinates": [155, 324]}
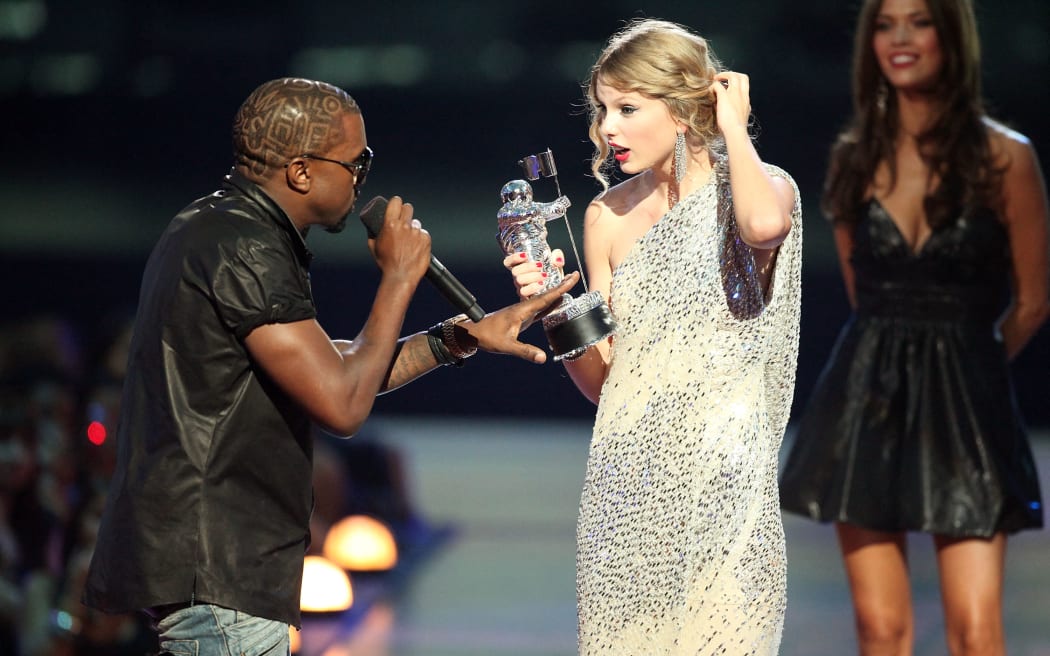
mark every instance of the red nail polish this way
{"type": "Point", "coordinates": [559, 260]}
{"type": "Point", "coordinates": [521, 255]}
{"type": "Point", "coordinates": [539, 264]}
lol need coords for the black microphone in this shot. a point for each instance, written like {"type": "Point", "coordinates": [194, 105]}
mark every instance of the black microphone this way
{"type": "Point", "coordinates": [452, 289]}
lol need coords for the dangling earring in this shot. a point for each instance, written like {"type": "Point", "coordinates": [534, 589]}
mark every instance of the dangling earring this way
{"type": "Point", "coordinates": [881, 94]}
{"type": "Point", "coordinates": [679, 165]}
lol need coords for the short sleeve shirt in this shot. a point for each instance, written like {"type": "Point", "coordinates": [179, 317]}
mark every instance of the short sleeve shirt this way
{"type": "Point", "coordinates": [211, 498]}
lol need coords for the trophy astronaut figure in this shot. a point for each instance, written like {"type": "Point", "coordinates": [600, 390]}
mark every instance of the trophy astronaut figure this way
{"type": "Point", "coordinates": [523, 226]}
{"type": "Point", "coordinates": [577, 323]}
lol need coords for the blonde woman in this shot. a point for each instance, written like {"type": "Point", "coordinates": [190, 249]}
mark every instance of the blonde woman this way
{"type": "Point", "coordinates": [680, 543]}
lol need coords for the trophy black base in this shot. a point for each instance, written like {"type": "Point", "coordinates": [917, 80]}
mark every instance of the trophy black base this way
{"type": "Point", "coordinates": [578, 324]}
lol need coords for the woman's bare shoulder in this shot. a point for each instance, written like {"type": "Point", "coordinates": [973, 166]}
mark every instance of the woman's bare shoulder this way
{"type": "Point", "coordinates": [621, 198]}
{"type": "Point", "coordinates": [1007, 143]}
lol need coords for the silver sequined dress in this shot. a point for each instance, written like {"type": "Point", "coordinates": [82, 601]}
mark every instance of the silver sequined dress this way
{"type": "Point", "coordinates": [680, 545]}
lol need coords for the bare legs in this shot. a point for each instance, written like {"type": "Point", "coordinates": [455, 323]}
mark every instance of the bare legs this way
{"type": "Point", "coordinates": [972, 594]}
{"type": "Point", "coordinates": [971, 573]}
{"type": "Point", "coordinates": [877, 570]}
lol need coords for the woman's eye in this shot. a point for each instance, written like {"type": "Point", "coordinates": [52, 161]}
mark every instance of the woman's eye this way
{"type": "Point", "coordinates": [628, 110]}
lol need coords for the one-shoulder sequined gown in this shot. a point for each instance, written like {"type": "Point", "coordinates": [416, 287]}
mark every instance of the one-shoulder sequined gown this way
{"type": "Point", "coordinates": [680, 545]}
{"type": "Point", "coordinates": [912, 425]}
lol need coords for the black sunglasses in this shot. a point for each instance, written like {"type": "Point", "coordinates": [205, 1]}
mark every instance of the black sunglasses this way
{"type": "Point", "coordinates": [358, 168]}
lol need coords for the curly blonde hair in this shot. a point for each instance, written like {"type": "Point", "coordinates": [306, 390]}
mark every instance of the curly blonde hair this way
{"type": "Point", "coordinates": [663, 60]}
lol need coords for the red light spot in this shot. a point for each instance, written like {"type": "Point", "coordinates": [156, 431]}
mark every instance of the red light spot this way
{"type": "Point", "coordinates": [96, 432]}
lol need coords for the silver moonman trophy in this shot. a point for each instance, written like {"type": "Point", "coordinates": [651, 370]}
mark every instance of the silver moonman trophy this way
{"type": "Point", "coordinates": [578, 323]}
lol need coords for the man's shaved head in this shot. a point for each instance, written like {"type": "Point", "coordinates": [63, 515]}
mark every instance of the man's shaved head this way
{"type": "Point", "coordinates": [286, 118]}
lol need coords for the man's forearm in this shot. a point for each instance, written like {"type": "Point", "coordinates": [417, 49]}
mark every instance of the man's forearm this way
{"type": "Point", "coordinates": [412, 358]}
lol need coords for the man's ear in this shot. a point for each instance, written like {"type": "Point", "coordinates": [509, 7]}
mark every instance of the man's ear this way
{"type": "Point", "coordinates": [297, 175]}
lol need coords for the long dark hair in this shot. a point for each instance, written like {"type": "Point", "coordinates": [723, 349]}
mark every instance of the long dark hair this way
{"type": "Point", "coordinates": [956, 146]}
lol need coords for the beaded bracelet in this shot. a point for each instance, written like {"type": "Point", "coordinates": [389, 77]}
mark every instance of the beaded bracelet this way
{"type": "Point", "coordinates": [575, 356]}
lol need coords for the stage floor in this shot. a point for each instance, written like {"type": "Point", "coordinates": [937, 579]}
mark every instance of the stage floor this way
{"type": "Point", "coordinates": [501, 582]}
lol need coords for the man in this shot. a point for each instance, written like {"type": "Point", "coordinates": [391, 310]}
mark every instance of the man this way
{"type": "Point", "coordinates": [207, 517]}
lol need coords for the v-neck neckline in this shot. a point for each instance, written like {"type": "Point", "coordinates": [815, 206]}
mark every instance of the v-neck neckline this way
{"type": "Point", "coordinates": [913, 251]}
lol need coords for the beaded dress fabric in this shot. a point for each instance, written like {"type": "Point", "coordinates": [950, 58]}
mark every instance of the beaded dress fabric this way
{"type": "Point", "coordinates": [680, 546]}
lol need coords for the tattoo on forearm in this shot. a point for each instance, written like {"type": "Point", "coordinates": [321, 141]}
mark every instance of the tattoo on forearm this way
{"type": "Point", "coordinates": [411, 360]}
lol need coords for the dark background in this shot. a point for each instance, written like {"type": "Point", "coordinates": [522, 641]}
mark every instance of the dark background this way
{"type": "Point", "coordinates": [117, 114]}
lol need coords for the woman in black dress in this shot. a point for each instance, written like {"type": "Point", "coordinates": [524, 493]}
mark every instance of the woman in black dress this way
{"type": "Point", "coordinates": [940, 221]}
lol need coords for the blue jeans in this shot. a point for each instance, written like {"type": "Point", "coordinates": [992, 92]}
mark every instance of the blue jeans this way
{"type": "Point", "coordinates": [207, 630]}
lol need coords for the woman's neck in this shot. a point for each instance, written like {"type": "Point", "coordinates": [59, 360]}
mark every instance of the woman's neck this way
{"type": "Point", "coordinates": [698, 169]}
{"type": "Point", "coordinates": [916, 112]}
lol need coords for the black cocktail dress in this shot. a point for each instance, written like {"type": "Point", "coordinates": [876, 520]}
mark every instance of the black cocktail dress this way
{"type": "Point", "coordinates": [912, 425]}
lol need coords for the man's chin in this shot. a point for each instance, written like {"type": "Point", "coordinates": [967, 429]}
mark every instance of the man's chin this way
{"type": "Point", "coordinates": [338, 227]}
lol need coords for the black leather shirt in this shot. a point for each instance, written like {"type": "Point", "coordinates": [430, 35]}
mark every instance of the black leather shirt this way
{"type": "Point", "coordinates": [211, 499]}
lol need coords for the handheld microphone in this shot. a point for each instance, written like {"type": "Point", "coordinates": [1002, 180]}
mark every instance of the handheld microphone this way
{"type": "Point", "coordinates": [451, 288]}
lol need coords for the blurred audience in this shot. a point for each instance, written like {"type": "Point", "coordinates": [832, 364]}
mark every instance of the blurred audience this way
{"type": "Point", "coordinates": [60, 391]}
{"type": "Point", "coordinates": [365, 476]}
{"type": "Point", "coordinates": [57, 403]}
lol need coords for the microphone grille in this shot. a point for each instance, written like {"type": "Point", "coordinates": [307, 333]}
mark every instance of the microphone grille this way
{"type": "Point", "coordinates": [372, 215]}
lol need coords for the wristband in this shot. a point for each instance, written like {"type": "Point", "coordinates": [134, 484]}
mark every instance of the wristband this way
{"type": "Point", "coordinates": [448, 336]}
{"type": "Point", "coordinates": [437, 346]}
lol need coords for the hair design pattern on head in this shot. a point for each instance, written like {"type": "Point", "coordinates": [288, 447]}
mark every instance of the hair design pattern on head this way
{"type": "Point", "coordinates": [284, 118]}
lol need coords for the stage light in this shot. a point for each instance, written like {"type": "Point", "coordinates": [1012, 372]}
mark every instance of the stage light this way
{"type": "Point", "coordinates": [96, 433]}
{"type": "Point", "coordinates": [326, 587]}
{"type": "Point", "coordinates": [295, 642]}
{"type": "Point", "coordinates": [361, 544]}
